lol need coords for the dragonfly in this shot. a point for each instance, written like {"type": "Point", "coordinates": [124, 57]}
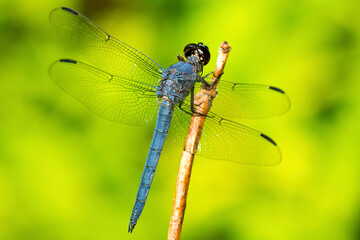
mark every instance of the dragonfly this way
{"type": "Point", "coordinates": [126, 86]}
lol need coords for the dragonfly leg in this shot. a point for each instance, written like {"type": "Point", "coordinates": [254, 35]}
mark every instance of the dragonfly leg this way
{"type": "Point", "coordinates": [208, 85]}
{"type": "Point", "coordinates": [208, 74]}
{"type": "Point", "coordinates": [192, 106]}
{"type": "Point", "coordinates": [182, 109]}
{"type": "Point", "coordinates": [180, 58]}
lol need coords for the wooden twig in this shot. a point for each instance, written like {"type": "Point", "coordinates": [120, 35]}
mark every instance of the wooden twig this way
{"type": "Point", "coordinates": [203, 102]}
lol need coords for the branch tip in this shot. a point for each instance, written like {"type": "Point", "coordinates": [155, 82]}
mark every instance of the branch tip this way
{"type": "Point", "coordinates": [225, 47]}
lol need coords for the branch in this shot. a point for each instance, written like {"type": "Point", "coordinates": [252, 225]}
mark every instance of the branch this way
{"type": "Point", "coordinates": [203, 102]}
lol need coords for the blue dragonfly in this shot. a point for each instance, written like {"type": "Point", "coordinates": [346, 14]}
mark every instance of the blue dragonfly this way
{"type": "Point", "coordinates": [128, 87]}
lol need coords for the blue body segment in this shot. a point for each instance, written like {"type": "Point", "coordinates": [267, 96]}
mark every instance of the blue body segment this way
{"type": "Point", "coordinates": [162, 126]}
{"type": "Point", "coordinates": [177, 81]}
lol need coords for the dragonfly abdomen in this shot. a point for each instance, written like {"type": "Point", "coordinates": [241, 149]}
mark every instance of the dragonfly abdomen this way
{"type": "Point", "coordinates": [162, 126]}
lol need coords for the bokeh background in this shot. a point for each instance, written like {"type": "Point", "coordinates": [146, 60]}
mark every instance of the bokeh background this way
{"type": "Point", "coordinates": [68, 174]}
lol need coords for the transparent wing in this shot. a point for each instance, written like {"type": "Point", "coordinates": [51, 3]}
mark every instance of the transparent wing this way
{"type": "Point", "coordinates": [103, 50]}
{"type": "Point", "coordinates": [226, 140]}
{"type": "Point", "coordinates": [241, 100]}
{"type": "Point", "coordinates": [111, 97]}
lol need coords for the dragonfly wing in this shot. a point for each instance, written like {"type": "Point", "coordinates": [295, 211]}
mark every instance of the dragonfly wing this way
{"type": "Point", "coordinates": [103, 50]}
{"type": "Point", "coordinates": [223, 139]}
{"type": "Point", "coordinates": [115, 98]}
{"type": "Point", "coordinates": [241, 100]}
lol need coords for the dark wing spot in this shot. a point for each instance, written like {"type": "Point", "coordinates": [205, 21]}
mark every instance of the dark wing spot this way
{"type": "Point", "coordinates": [276, 89]}
{"type": "Point", "coordinates": [68, 61]}
{"type": "Point", "coordinates": [268, 138]}
{"type": "Point", "coordinates": [70, 10]}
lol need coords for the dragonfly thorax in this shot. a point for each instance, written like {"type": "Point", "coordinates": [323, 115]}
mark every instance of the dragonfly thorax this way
{"type": "Point", "coordinates": [178, 80]}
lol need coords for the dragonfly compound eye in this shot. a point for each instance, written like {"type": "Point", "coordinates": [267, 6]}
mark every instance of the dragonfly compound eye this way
{"type": "Point", "coordinates": [190, 50]}
{"type": "Point", "coordinates": [201, 49]}
{"type": "Point", "coordinates": [204, 53]}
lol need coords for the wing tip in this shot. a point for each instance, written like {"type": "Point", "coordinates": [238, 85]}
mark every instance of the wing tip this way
{"type": "Point", "coordinates": [279, 158]}
{"type": "Point", "coordinates": [69, 10]}
{"type": "Point", "coordinates": [64, 60]}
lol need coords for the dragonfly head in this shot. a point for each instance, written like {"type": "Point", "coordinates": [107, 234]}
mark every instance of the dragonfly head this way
{"type": "Point", "coordinates": [201, 50]}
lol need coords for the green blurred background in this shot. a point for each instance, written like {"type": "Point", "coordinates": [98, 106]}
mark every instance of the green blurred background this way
{"type": "Point", "coordinates": [68, 174]}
